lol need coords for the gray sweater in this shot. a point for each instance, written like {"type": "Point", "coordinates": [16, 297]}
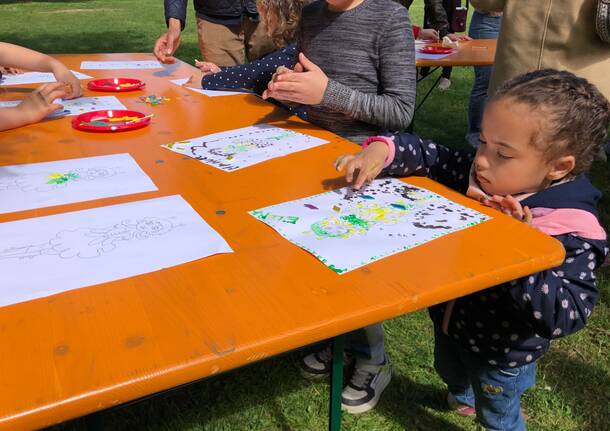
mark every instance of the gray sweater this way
{"type": "Point", "coordinates": [368, 55]}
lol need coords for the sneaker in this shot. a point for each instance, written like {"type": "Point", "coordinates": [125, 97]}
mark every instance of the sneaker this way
{"type": "Point", "coordinates": [365, 387]}
{"type": "Point", "coordinates": [444, 84]}
{"type": "Point", "coordinates": [460, 409]}
{"type": "Point", "coordinates": [317, 365]}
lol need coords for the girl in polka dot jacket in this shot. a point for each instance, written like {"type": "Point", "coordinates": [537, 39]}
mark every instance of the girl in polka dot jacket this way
{"type": "Point", "coordinates": [539, 136]}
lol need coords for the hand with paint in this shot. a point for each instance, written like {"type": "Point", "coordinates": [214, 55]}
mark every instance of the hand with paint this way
{"type": "Point", "coordinates": [368, 162]}
{"type": "Point", "coordinates": [206, 67]}
{"type": "Point", "coordinates": [510, 206]}
{"type": "Point", "coordinates": [36, 106]}
{"type": "Point", "coordinates": [167, 44]}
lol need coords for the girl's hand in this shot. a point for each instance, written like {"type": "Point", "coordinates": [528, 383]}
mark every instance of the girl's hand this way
{"type": "Point", "coordinates": [194, 80]}
{"type": "Point", "coordinates": [39, 103]}
{"type": "Point", "coordinates": [206, 67]}
{"type": "Point", "coordinates": [279, 71]}
{"type": "Point", "coordinates": [368, 162]}
{"type": "Point", "coordinates": [63, 74]}
{"type": "Point", "coordinates": [305, 85]}
{"type": "Point", "coordinates": [512, 207]}
{"type": "Point", "coordinates": [459, 37]}
{"type": "Point", "coordinates": [428, 34]}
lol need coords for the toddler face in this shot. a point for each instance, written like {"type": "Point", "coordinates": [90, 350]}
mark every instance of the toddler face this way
{"type": "Point", "coordinates": [507, 162]}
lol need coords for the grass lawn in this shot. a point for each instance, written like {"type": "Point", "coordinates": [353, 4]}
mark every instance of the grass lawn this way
{"type": "Point", "coordinates": [573, 388]}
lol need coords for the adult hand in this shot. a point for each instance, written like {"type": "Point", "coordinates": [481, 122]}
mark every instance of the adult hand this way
{"type": "Point", "coordinates": [39, 103]}
{"type": "Point", "coordinates": [368, 162]}
{"type": "Point", "coordinates": [167, 44]}
{"type": "Point", "coordinates": [305, 85]}
{"type": "Point", "coordinates": [458, 37]}
{"type": "Point", "coordinates": [63, 74]}
{"type": "Point", "coordinates": [206, 67]}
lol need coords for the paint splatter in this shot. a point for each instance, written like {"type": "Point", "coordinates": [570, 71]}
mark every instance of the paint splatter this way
{"type": "Point", "coordinates": [367, 197]}
{"type": "Point", "coordinates": [336, 208]}
{"type": "Point", "coordinates": [57, 178]}
{"type": "Point", "coordinates": [399, 206]}
{"type": "Point", "coordinates": [310, 206]}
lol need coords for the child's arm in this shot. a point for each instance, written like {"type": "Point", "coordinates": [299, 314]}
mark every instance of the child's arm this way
{"type": "Point", "coordinates": [254, 75]}
{"type": "Point", "coordinates": [36, 106]}
{"type": "Point", "coordinates": [405, 154]}
{"type": "Point", "coordinates": [24, 58]}
{"type": "Point", "coordinates": [557, 302]}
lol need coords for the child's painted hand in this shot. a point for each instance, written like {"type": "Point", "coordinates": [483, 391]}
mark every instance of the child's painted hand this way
{"type": "Point", "coordinates": [455, 37]}
{"type": "Point", "coordinates": [305, 85]}
{"type": "Point", "coordinates": [194, 80]}
{"type": "Point", "coordinates": [9, 70]}
{"type": "Point", "coordinates": [206, 67]}
{"type": "Point", "coordinates": [39, 103]}
{"type": "Point", "coordinates": [368, 162]}
{"type": "Point", "coordinates": [428, 34]}
{"type": "Point", "coordinates": [510, 206]}
{"type": "Point", "coordinates": [63, 75]}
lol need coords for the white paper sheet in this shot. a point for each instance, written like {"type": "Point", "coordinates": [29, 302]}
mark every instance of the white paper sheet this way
{"type": "Point", "coordinates": [34, 78]}
{"type": "Point", "coordinates": [347, 229]}
{"type": "Point", "coordinates": [244, 147]}
{"type": "Point", "coordinates": [48, 255]}
{"type": "Point", "coordinates": [77, 106]}
{"type": "Point", "coordinates": [422, 56]}
{"type": "Point", "coordinates": [210, 93]}
{"type": "Point", "coordinates": [39, 185]}
{"type": "Point", "coordinates": [115, 65]}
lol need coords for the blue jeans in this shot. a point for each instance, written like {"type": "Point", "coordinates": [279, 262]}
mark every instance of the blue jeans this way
{"type": "Point", "coordinates": [482, 26]}
{"type": "Point", "coordinates": [495, 392]}
{"type": "Point", "coordinates": [367, 344]}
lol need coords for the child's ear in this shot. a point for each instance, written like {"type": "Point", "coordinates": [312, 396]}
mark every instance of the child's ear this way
{"type": "Point", "coordinates": [561, 167]}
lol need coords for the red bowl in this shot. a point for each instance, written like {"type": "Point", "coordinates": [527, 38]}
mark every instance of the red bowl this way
{"type": "Point", "coordinates": [115, 85]}
{"type": "Point", "coordinates": [436, 50]}
{"type": "Point", "coordinates": [110, 121]}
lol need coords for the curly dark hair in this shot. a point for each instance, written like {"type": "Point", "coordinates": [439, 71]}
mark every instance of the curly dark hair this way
{"type": "Point", "coordinates": [576, 115]}
{"type": "Point", "coordinates": [285, 16]}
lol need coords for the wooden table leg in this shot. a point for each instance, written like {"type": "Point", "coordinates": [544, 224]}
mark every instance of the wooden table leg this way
{"type": "Point", "coordinates": [336, 384]}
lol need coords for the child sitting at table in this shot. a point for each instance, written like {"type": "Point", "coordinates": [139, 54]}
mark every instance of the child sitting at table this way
{"type": "Point", "coordinates": [39, 103]}
{"type": "Point", "coordinates": [539, 135]}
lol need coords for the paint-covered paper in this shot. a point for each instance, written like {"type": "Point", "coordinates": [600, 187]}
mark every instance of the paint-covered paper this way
{"type": "Point", "coordinates": [49, 255]}
{"type": "Point", "coordinates": [34, 78]}
{"type": "Point", "coordinates": [39, 185]}
{"type": "Point", "coordinates": [239, 148]}
{"type": "Point", "coordinates": [347, 229]}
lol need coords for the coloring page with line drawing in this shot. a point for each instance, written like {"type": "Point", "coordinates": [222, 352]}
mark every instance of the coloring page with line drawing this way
{"type": "Point", "coordinates": [117, 65]}
{"type": "Point", "coordinates": [347, 228]}
{"type": "Point", "coordinates": [48, 255]}
{"type": "Point", "coordinates": [39, 185]}
{"type": "Point", "coordinates": [239, 148]}
{"type": "Point", "coordinates": [34, 78]}
{"type": "Point", "coordinates": [77, 106]}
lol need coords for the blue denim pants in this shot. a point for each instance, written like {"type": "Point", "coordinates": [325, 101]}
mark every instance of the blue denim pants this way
{"type": "Point", "coordinates": [495, 392]}
{"type": "Point", "coordinates": [482, 26]}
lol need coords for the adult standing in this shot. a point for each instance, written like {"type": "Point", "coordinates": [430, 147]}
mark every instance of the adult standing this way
{"type": "Point", "coordinates": [557, 34]}
{"type": "Point", "coordinates": [483, 25]}
{"type": "Point", "coordinates": [229, 31]}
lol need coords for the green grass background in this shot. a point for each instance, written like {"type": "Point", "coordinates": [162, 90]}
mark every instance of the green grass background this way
{"type": "Point", "coordinates": [573, 388]}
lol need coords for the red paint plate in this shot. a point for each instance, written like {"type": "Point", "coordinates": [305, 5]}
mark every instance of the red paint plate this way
{"type": "Point", "coordinates": [436, 50]}
{"type": "Point", "coordinates": [106, 121]}
{"type": "Point", "coordinates": [115, 85]}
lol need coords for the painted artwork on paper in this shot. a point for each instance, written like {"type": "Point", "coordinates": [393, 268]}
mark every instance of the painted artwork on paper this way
{"type": "Point", "coordinates": [239, 148]}
{"type": "Point", "coordinates": [347, 228]}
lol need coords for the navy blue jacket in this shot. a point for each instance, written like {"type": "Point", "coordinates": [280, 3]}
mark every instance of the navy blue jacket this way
{"type": "Point", "coordinates": [511, 324]}
{"type": "Point", "coordinates": [210, 9]}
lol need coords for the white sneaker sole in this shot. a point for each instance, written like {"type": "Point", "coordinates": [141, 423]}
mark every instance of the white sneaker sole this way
{"type": "Point", "coordinates": [362, 408]}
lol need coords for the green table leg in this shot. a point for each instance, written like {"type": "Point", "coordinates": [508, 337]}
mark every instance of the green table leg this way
{"type": "Point", "coordinates": [336, 384]}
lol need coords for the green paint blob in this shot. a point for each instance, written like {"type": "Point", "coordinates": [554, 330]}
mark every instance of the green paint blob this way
{"type": "Point", "coordinates": [354, 220]}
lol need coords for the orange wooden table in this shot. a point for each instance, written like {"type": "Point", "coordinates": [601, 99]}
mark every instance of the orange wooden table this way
{"type": "Point", "coordinates": [93, 348]}
{"type": "Point", "coordinates": [476, 52]}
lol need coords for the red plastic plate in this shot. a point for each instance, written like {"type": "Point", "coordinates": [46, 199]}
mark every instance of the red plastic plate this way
{"type": "Point", "coordinates": [110, 121]}
{"type": "Point", "coordinates": [116, 85]}
{"type": "Point", "coordinates": [436, 50]}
